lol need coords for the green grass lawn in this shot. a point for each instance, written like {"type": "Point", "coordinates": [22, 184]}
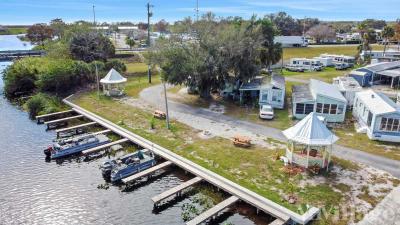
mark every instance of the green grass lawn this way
{"type": "Point", "coordinates": [311, 52]}
{"type": "Point", "coordinates": [326, 75]}
{"type": "Point", "coordinates": [14, 31]}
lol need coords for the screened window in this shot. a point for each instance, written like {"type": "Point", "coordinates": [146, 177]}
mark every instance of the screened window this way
{"type": "Point", "coordinates": [299, 108]}
{"type": "Point", "coordinates": [326, 108]}
{"type": "Point", "coordinates": [390, 124]}
{"type": "Point", "coordinates": [333, 109]}
{"type": "Point", "coordinates": [309, 108]}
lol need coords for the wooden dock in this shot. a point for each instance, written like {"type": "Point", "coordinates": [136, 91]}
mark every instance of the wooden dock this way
{"type": "Point", "coordinates": [63, 119]}
{"type": "Point", "coordinates": [99, 148]}
{"type": "Point", "coordinates": [39, 118]}
{"type": "Point", "coordinates": [244, 194]}
{"type": "Point", "coordinates": [146, 172]}
{"type": "Point", "coordinates": [176, 190]}
{"type": "Point", "coordinates": [277, 222]}
{"type": "Point", "coordinates": [74, 127]}
{"type": "Point", "coordinates": [213, 211]}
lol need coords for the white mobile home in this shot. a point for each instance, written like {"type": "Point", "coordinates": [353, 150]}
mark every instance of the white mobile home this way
{"type": "Point", "coordinates": [320, 97]}
{"type": "Point", "coordinates": [267, 90]}
{"type": "Point", "coordinates": [348, 86]}
{"type": "Point", "coordinates": [379, 54]}
{"type": "Point", "coordinates": [377, 115]}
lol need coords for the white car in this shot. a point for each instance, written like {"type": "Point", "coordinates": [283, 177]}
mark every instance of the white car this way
{"type": "Point", "coordinates": [266, 112]}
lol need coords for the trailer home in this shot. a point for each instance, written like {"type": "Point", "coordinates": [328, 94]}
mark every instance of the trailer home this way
{"type": "Point", "coordinates": [348, 86]}
{"type": "Point", "coordinates": [377, 116]}
{"type": "Point", "coordinates": [350, 60]}
{"type": "Point", "coordinates": [320, 97]}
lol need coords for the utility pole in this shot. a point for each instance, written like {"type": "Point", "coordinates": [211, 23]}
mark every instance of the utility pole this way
{"type": "Point", "coordinates": [149, 14]}
{"type": "Point", "coordinates": [95, 63]}
{"type": "Point", "coordinates": [197, 10]}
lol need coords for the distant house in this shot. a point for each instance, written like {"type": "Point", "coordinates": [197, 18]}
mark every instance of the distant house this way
{"type": "Point", "coordinates": [379, 54]}
{"type": "Point", "coordinates": [380, 73]}
{"type": "Point", "coordinates": [377, 115]}
{"type": "Point", "coordinates": [320, 97]}
{"type": "Point", "coordinates": [348, 86]}
{"type": "Point", "coordinates": [264, 90]}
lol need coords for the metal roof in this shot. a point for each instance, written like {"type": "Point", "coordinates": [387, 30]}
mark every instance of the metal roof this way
{"type": "Point", "coordinates": [318, 87]}
{"type": "Point", "coordinates": [377, 102]}
{"type": "Point", "coordinates": [113, 77]}
{"type": "Point", "coordinates": [264, 82]}
{"type": "Point", "coordinates": [347, 84]}
{"type": "Point", "coordinates": [390, 73]}
{"type": "Point", "coordinates": [311, 131]}
{"type": "Point", "coordinates": [378, 67]}
{"type": "Point", "coordinates": [301, 93]}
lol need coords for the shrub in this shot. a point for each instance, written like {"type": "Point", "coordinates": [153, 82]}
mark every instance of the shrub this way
{"type": "Point", "coordinates": [35, 105]}
{"type": "Point", "coordinates": [118, 65]}
{"type": "Point", "coordinates": [90, 46]}
{"type": "Point", "coordinates": [20, 77]}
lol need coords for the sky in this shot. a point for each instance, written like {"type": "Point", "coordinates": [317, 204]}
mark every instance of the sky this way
{"type": "Point", "coordinates": [34, 11]}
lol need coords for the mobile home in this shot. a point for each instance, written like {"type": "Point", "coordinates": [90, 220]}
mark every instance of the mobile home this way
{"type": "Point", "coordinates": [265, 90]}
{"type": "Point", "coordinates": [377, 115]}
{"type": "Point", "coordinates": [384, 73]}
{"type": "Point", "coordinates": [320, 97]}
{"type": "Point", "coordinates": [348, 86]}
{"type": "Point", "coordinates": [379, 54]}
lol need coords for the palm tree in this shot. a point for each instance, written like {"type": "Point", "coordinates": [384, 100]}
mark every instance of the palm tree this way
{"type": "Point", "coordinates": [387, 34]}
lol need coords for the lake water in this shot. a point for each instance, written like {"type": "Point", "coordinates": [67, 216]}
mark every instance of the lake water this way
{"type": "Point", "coordinates": [33, 191]}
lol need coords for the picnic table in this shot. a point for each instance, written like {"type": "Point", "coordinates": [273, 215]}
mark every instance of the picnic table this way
{"type": "Point", "coordinates": [241, 141]}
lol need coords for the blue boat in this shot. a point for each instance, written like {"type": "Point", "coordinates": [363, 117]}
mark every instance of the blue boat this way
{"type": "Point", "coordinates": [127, 165]}
{"type": "Point", "coordinates": [66, 147]}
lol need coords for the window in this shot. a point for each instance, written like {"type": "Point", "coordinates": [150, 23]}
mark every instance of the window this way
{"type": "Point", "coordinates": [309, 108]}
{"type": "Point", "coordinates": [383, 123]}
{"type": "Point", "coordinates": [326, 108]}
{"type": "Point", "coordinates": [333, 109]}
{"type": "Point", "coordinates": [390, 124]}
{"type": "Point", "coordinates": [299, 108]}
{"type": "Point", "coordinates": [264, 97]}
{"type": "Point", "coordinates": [340, 109]}
{"type": "Point", "coordinates": [276, 96]}
{"type": "Point", "coordinates": [319, 107]}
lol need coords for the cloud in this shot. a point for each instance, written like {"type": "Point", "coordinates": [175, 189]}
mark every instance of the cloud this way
{"type": "Point", "coordinates": [299, 5]}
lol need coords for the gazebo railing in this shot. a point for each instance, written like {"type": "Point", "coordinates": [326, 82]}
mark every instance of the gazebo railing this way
{"type": "Point", "coordinates": [301, 159]}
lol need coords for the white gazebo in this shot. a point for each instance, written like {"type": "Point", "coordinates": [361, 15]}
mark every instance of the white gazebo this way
{"type": "Point", "coordinates": [310, 142]}
{"type": "Point", "coordinates": [113, 83]}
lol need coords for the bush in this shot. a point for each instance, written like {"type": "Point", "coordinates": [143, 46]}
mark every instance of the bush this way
{"type": "Point", "coordinates": [20, 77]}
{"type": "Point", "coordinates": [90, 46]}
{"type": "Point", "coordinates": [58, 77]}
{"type": "Point", "coordinates": [35, 105]}
{"type": "Point", "coordinates": [118, 65]}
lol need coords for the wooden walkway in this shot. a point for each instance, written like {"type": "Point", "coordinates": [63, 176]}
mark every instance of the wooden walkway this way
{"type": "Point", "coordinates": [250, 197]}
{"type": "Point", "coordinates": [146, 172]}
{"type": "Point", "coordinates": [157, 199]}
{"type": "Point", "coordinates": [54, 114]}
{"type": "Point", "coordinates": [63, 119]}
{"type": "Point", "coordinates": [213, 211]}
{"type": "Point", "coordinates": [99, 148]}
{"type": "Point", "coordinates": [75, 127]}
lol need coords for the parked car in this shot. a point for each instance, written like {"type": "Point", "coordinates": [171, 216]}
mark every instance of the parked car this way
{"type": "Point", "coordinates": [266, 112]}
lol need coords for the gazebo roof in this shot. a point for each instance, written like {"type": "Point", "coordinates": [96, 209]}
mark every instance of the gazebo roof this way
{"type": "Point", "coordinates": [310, 131]}
{"type": "Point", "coordinates": [113, 77]}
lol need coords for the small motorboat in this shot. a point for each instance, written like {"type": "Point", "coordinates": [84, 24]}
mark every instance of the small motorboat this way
{"type": "Point", "coordinates": [66, 147]}
{"type": "Point", "coordinates": [127, 165]}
